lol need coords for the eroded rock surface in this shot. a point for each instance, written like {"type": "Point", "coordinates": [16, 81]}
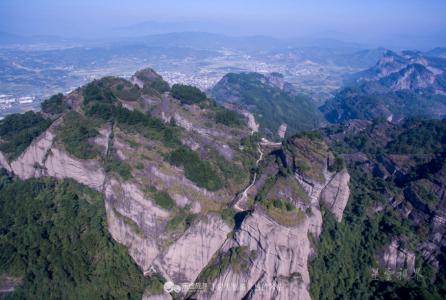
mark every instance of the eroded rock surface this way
{"type": "Point", "coordinates": [61, 165]}
{"type": "Point", "coordinates": [31, 162]}
{"type": "Point", "coordinates": [279, 269]}
{"type": "Point", "coordinates": [44, 158]}
{"type": "Point", "coordinates": [141, 249]}
{"type": "Point", "coordinates": [184, 260]}
{"type": "Point", "coordinates": [335, 194]}
{"type": "Point", "coordinates": [395, 258]}
{"type": "Point", "coordinates": [278, 266]}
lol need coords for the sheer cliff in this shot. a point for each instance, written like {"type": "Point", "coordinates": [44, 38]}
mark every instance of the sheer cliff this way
{"type": "Point", "coordinates": [206, 205]}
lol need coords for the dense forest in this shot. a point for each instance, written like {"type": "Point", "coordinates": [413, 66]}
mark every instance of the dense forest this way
{"type": "Point", "coordinates": [271, 105]}
{"type": "Point", "coordinates": [54, 242]}
{"type": "Point", "coordinates": [17, 131]}
{"type": "Point", "coordinates": [187, 94]}
{"type": "Point", "coordinates": [343, 267]}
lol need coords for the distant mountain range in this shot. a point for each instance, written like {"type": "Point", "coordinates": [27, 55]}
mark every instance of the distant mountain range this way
{"type": "Point", "coordinates": [441, 52]}
{"type": "Point", "coordinates": [343, 56]}
{"type": "Point", "coordinates": [399, 85]}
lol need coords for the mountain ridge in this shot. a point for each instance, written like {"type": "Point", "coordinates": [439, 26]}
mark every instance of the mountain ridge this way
{"type": "Point", "coordinates": [398, 86]}
{"type": "Point", "coordinates": [274, 102]}
{"type": "Point", "coordinates": [170, 164]}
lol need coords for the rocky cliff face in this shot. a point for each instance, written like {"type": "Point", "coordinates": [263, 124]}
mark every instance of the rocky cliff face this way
{"type": "Point", "coordinates": [61, 165]}
{"type": "Point", "coordinates": [171, 223]}
{"type": "Point", "coordinates": [184, 259]}
{"type": "Point", "coordinates": [272, 254]}
{"type": "Point", "coordinates": [44, 158]}
{"type": "Point", "coordinates": [277, 270]}
{"type": "Point", "coordinates": [336, 192]}
{"type": "Point", "coordinates": [397, 259]}
{"type": "Point", "coordinates": [31, 162]}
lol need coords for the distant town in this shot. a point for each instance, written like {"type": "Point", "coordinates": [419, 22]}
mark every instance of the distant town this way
{"type": "Point", "coordinates": [30, 75]}
{"type": "Point", "coordinates": [11, 104]}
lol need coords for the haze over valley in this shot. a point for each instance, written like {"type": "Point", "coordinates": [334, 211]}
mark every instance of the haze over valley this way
{"type": "Point", "coordinates": [222, 150]}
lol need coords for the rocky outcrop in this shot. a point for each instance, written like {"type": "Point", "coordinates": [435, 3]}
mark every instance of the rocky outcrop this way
{"type": "Point", "coordinates": [252, 124]}
{"type": "Point", "coordinates": [313, 189]}
{"type": "Point", "coordinates": [144, 76]}
{"type": "Point", "coordinates": [129, 198]}
{"type": "Point", "coordinates": [31, 162]}
{"type": "Point", "coordinates": [396, 259]}
{"type": "Point", "coordinates": [44, 158]}
{"type": "Point", "coordinates": [61, 165]}
{"type": "Point", "coordinates": [134, 220]}
{"type": "Point", "coordinates": [185, 259]}
{"type": "Point", "coordinates": [278, 269]}
{"type": "Point", "coordinates": [278, 266]}
{"type": "Point", "coordinates": [420, 77]}
{"type": "Point", "coordinates": [142, 250]}
{"type": "Point", "coordinates": [335, 194]}
{"type": "Point", "coordinates": [206, 137]}
{"type": "Point", "coordinates": [282, 130]}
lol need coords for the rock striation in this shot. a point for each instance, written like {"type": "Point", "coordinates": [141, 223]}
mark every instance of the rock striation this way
{"type": "Point", "coordinates": [277, 270]}
{"type": "Point", "coordinates": [183, 261]}
{"type": "Point", "coordinates": [336, 192]}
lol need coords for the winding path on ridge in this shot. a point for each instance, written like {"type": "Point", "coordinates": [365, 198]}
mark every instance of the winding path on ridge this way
{"type": "Point", "coordinates": [241, 199]}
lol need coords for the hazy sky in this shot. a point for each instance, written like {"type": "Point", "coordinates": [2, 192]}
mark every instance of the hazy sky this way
{"type": "Point", "coordinates": [374, 21]}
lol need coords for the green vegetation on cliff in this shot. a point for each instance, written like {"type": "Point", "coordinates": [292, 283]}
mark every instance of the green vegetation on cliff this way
{"type": "Point", "coordinates": [98, 91]}
{"type": "Point", "coordinates": [127, 91]}
{"type": "Point", "coordinates": [271, 104]}
{"type": "Point", "coordinates": [99, 103]}
{"type": "Point", "coordinates": [54, 105]}
{"type": "Point", "coordinates": [283, 212]}
{"type": "Point", "coordinates": [348, 251]}
{"type": "Point", "coordinates": [75, 133]}
{"type": "Point", "coordinates": [119, 167]}
{"type": "Point", "coordinates": [56, 240]}
{"type": "Point", "coordinates": [157, 85]}
{"type": "Point", "coordinates": [237, 258]}
{"type": "Point", "coordinates": [228, 117]}
{"type": "Point", "coordinates": [356, 103]}
{"type": "Point", "coordinates": [187, 94]}
{"type": "Point", "coordinates": [161, 198]}
{"type": "Point", "coordinates": [17, 131]}
{"type": "Point", "coordinates": [195, 169]}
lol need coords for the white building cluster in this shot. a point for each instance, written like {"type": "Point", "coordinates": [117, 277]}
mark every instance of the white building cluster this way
{"type": "Point", "coordinates": [8, 101]}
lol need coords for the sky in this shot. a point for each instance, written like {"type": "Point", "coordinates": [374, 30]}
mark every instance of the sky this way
{"type": "Point", "coordinates": [364, 21]}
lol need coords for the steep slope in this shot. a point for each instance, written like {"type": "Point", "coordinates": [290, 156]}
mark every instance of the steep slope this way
{"type": "Point", "coordinates": [65, 222]}
{"type": "Point", "coordinates": [398, 86]}
{"type": "Point", "coordinates": [267, 256]}
{"type": "Point", "coordinates": [207, 205]}
{"type": "Point", "coordinates": [391, 244]}
{"type": "Point", "coordinates": [171, 166]}
{"type": "Point", "coordinates": [163, 183]}
{"type": "Point", "coordinates": [274, 103]}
